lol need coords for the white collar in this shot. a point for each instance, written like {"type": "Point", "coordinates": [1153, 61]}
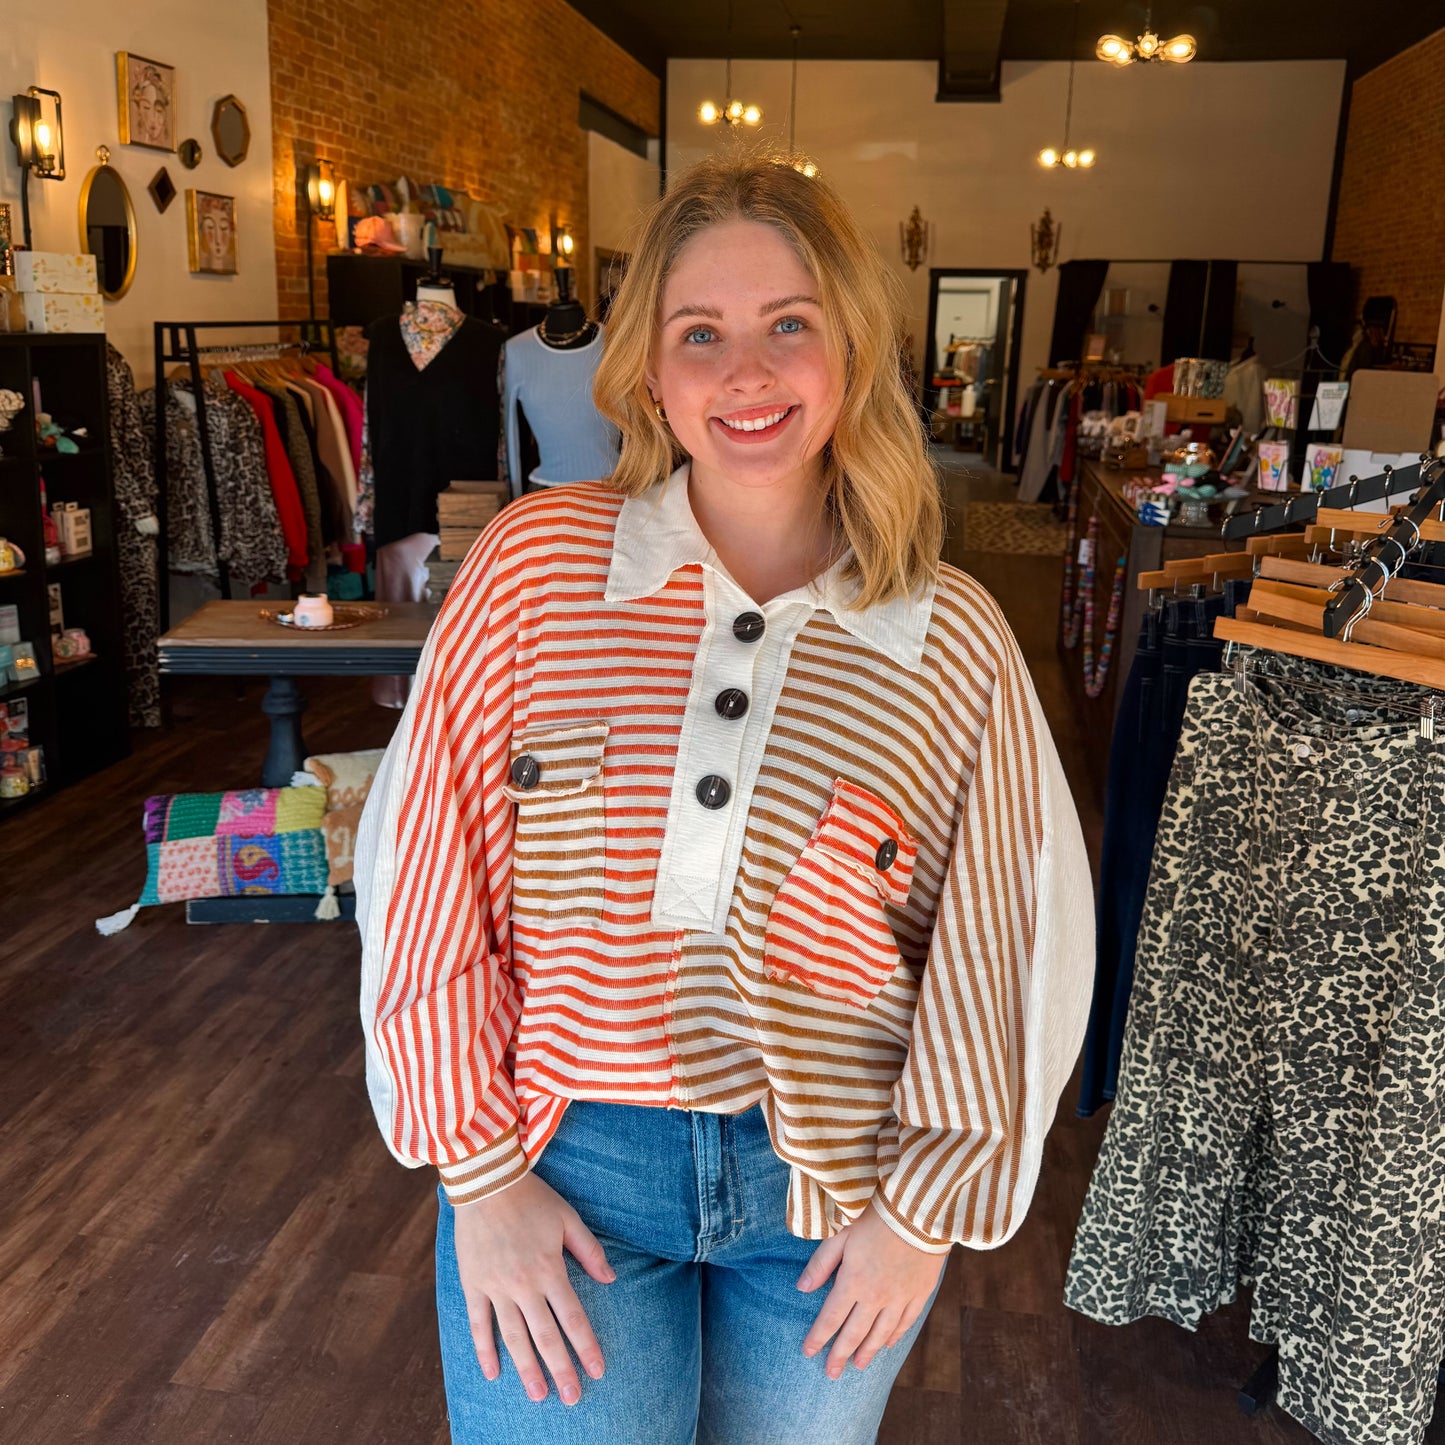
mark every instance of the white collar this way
{"type": "Point", "coordinates": [657, 533]}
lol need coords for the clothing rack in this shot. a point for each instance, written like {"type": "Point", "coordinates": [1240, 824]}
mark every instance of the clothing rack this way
{"type": "Point", "coordinates": [175, 342]}
{"type": "Point", "coordinates": [1392, 482]}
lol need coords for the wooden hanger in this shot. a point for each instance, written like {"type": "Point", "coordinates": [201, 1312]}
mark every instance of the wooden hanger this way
{"type": "Point", "coordinates": [1197, 569]}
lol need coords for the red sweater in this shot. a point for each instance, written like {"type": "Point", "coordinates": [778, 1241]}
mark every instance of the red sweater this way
{"type": "Point", "coordinates": [283, 479]}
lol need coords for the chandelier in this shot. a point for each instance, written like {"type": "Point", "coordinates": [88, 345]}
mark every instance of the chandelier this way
{"type": "Point", "coordinates": [731, 111]}
{"type": "Point", "coordinates": [1066, 155]}
{"type": "Point", "coordinates": [1118, 51]}
{"type": "Point", "coordinates": [1044, 240]}
{"type": "Point", "coordinates": [913, 240]}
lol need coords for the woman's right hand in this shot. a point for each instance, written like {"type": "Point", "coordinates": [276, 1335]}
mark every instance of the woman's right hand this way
{"type": "Point", "coordinates": [509, 1254]}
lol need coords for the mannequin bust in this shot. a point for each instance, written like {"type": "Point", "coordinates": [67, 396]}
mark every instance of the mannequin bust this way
{"type": "Point", "coordinates": [565, 327]}
{"type": "Point", "coordinates": [435, 286]}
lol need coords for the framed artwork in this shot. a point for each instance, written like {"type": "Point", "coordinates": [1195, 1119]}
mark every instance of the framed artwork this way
{"type": "Point", "coordinates": [146, 93]}
{"type": "Point", "coordinates": [211, 233]}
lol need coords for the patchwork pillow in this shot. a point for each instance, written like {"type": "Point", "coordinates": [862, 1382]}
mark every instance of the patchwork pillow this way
{"type": "Point", "coordinates": [257, 841]}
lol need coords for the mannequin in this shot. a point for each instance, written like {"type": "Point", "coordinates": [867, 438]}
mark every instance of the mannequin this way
{"type": "Point", "coordinates": [565, 327]}
{"type": "Point", "coordinates": [432, 419]}
{"type": "Point", "coordinates": [547, 371]}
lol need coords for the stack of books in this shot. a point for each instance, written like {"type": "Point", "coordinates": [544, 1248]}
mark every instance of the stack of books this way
{"type": "Point", "coordinates": [463, 511]}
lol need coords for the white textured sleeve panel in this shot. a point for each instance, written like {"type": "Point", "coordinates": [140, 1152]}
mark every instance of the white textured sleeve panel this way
{"type": "Point", "coordinates": [1005, 997]}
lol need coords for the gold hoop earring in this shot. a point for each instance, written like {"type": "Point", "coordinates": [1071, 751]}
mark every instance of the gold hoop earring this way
{"type": "Point", "coordinates": [661, 414]}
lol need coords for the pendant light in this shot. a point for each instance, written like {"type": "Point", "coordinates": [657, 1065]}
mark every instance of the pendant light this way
{"type": "Point", "coordinates": [731, 111]}
{"type": "Point", "coordinates": [804, 167]}
{"type": "Point", "coordinates": [1148, 46]}
{"type": "Point", "coordinates": [1066, 155]}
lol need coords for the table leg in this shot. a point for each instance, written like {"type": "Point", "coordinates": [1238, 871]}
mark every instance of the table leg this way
{"type": "Point", "coordinates": [283, 704]}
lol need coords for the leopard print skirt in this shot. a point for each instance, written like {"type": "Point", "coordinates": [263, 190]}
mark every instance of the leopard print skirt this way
{"type": "Point", "coordinates": [1280, 1120]}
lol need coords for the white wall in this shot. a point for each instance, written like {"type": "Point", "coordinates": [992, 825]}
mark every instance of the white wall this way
{"type": "Point", "coordinates": [217, 49]}
{"type": "Point", "coordinates": [620, 186]}
{"type": "Point", "coordinates": [1203, 160]}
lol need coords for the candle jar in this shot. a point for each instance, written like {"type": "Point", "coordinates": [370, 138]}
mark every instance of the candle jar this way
{"type": "Point", "coordinates": [312, 610]}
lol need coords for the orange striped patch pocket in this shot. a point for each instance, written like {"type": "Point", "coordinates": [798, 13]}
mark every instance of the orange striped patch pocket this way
{"type": "Point", "coordinates": [559, 851]}
{"type": "Point", "coordinates": [827, 928]}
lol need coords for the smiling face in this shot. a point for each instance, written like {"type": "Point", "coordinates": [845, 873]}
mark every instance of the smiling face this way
{"type": "Point", "coordinates": [740, 360]}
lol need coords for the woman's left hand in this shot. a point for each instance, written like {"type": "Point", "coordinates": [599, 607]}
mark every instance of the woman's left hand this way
{"type": "Point", "coordinates": [882, 1287]}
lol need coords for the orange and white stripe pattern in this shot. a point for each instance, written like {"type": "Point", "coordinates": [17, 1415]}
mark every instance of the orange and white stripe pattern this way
{"type": "Point", "coordinates": [907, 1015]}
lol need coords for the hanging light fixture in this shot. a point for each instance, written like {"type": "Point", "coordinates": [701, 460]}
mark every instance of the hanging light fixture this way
{"type": "Point", "coordinates": [1044, 240]}
{"type": "Point", "coordinates": [800, 164]}
{"type": "Point", "coordinates": [1148, 46]}
{"type": "Point", "coordinates": [1066, 155]}
{"type": "Point", "coordinates": [730, 112]}
{"type": "Point", "coordinates": [913, 236]}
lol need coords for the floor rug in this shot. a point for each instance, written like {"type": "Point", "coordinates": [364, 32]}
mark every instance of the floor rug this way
{"type": "Point", "coordinates": [1023, 528]}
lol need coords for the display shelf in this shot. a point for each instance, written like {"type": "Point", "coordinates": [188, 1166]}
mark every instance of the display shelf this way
{"type": "Point", "coordinates": [81, 722]}
{"type": "Point", "coordinates": [13, 576]}
{"type": "Point", "coordinates": [14, 689]}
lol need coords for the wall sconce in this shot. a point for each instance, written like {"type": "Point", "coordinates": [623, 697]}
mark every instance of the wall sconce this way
{"type": "Point", "coordinates": [913, 237]}
{"type": "Point", "coordinates": [1044, 237]}
{"type": "Point", "coordinates": [39, 143]}
{"type": "Point", "coordinates": [321, 190]}
{"type": "Point", "coordinates": [563, 245]}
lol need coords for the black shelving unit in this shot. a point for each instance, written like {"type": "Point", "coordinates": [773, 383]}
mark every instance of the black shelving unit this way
{"type": "Point", "coordinates": [77, 710]}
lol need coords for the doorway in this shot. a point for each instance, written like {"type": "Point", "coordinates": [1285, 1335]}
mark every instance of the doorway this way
{"type": "Point", "coordinates": [971, 359]}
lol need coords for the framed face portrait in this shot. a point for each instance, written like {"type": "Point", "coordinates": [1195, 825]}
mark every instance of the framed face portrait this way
{"type": "Point", "coordinates": [146, 92]}
{"type": "Point", "coordinates": [211, 233]}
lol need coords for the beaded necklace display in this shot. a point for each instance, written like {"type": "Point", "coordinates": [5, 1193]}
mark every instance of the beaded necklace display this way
{"type": "Point", "coordinates": [1079, 612]}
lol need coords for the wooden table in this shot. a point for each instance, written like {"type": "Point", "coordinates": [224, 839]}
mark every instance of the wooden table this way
{"type": "Point", "coordinates": [232, 639]}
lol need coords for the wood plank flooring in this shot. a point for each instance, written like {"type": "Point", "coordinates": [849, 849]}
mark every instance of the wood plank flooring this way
{"type": "Point", "coordinates": [202, 1238]}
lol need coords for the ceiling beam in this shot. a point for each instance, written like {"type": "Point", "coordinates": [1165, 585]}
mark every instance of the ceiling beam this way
{"type": "Point", "coordinates": [968, 68]}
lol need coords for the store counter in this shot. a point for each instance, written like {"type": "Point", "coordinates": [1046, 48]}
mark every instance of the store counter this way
{"type": "Point", "coordinates": [1123, 544]}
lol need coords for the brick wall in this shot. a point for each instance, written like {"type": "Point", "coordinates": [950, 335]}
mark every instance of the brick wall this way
{"type": "Point", "coordinates": [479, 95]}
{"type": "Point", "coordinates": [1390, 223]}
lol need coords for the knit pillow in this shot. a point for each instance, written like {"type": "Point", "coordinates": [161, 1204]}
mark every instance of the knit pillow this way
{"type": "Point", "coordinates": [345, 776]}
{"type": "Point", "coordinates": [339, 829]}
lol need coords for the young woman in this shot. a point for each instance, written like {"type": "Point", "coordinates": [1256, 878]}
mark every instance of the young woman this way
{"type": "Point", "coordinates": [726, 924]}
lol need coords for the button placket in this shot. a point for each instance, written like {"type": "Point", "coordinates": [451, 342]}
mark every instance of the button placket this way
{"type": "Point", "coordinates": [703, 844]}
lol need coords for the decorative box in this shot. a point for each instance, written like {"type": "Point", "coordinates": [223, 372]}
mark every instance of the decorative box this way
{"type": "Point", "coordinates": [72, 522]}
{"type": "Point", "coordinates": [64, 273]}
{"type": "Point", "coordinates": [52, 312]}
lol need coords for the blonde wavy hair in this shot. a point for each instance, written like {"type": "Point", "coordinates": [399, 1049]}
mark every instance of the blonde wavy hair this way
{"type": "Point", "coordinates": [881, 489]}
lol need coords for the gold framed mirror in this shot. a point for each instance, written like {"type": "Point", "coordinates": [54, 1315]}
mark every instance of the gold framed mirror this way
{"type": "Point", "coordinates": [108, 230]}
{"type": "Point", "coordinates": [231, 130]}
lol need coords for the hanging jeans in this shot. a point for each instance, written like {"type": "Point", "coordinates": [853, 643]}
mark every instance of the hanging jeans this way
{"type": "Point", "coordinates": [1279, 1116]}
{"type": "Point", "coordinates": [702, 1331]}
{"type": "Point", "coordinates": [1175, 644]}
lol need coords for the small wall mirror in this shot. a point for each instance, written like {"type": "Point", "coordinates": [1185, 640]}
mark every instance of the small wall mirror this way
{"type": "Point", "coordinates": [231, 130]}
{"type": "Point", "coordinates": [108, 230]}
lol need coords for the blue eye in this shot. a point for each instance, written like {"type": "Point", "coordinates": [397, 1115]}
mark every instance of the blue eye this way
{"type": "Point", "coordinates": [793, 324]}
{"type": "Point", "coordinates": [706, 332]}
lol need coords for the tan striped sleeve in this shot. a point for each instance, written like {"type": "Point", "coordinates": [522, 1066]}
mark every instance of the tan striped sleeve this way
{"type": "Point", "coordinates": [988, 1027]}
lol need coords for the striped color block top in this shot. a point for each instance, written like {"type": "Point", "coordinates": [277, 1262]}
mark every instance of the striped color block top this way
{"type": "Point", "coordinates": [638, 839]}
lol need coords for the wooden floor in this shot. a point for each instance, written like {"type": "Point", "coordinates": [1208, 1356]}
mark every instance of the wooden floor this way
{"type": "Point", "coordinates": [202, 1238]}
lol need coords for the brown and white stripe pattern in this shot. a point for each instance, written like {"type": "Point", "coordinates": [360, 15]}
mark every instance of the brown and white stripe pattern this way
{"type": "Point", "coordinates": [907, 1029]}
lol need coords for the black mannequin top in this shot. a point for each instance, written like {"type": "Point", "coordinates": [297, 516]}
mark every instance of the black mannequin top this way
{"type": "Point", "coordinates": [565, 327]}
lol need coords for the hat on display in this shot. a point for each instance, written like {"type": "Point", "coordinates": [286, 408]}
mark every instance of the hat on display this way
{"type": "Point", "coordinates": [373, 235]}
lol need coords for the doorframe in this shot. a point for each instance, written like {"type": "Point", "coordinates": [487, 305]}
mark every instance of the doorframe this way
{"type": "Point", "coordinates": [1019, 276]}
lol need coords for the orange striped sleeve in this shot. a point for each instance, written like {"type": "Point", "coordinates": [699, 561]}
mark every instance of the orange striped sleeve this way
{"type": "Point", "coordinates": [985, 1036]}
{"type": "Point", "coordinates": [439, 1002]}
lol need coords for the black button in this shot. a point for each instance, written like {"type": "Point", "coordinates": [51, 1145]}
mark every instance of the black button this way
{"type": "Point", "coordinates": [887, 852]}
{"type": "Point", "coordinates": [713, 791]}
{"type": "Point", "coordinates": [749, 626]}
{"type": "Point", "coordinates": [525, 772]}
{"type": "Point", "coordinates": [732, 702]}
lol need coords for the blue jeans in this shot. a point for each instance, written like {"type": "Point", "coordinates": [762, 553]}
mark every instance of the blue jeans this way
{"type": "Point", "coordinates": [702, 1331]}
